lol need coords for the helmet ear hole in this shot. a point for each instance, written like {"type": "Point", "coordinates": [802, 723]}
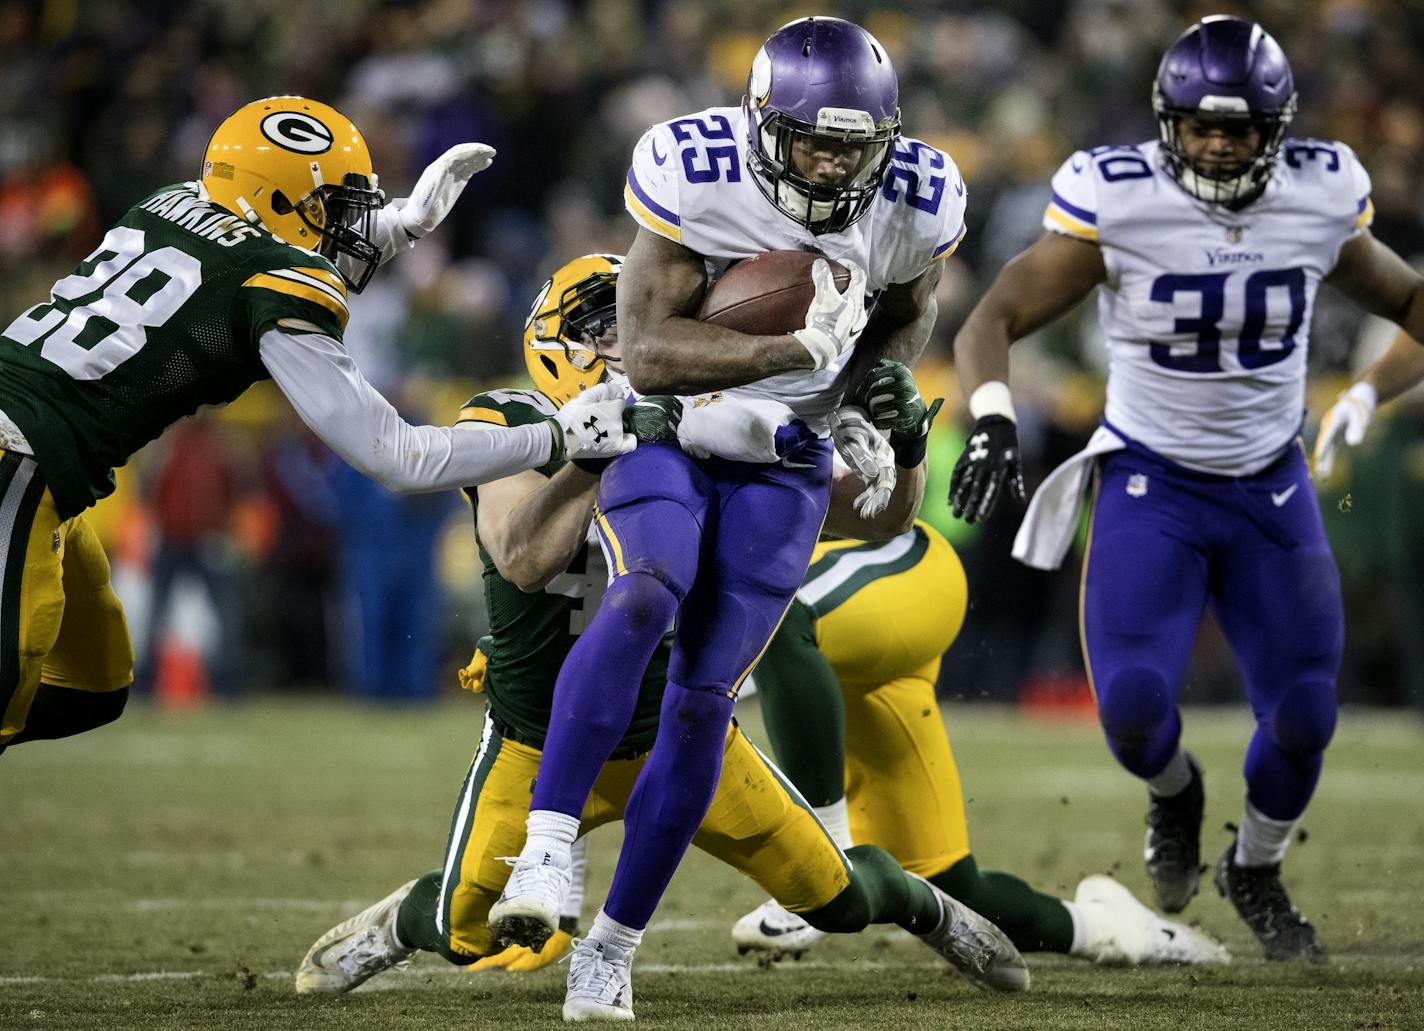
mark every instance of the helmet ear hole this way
{"type": "Point", "coordinates": [280, 204]}
{"type": "Point", "coordinates": [549, 364]}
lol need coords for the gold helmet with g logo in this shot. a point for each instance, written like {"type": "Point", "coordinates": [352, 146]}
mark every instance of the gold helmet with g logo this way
{"type": "Point", "coordinates": [573, 310]}
{"type": "Point", "coordinates": [301, 169]}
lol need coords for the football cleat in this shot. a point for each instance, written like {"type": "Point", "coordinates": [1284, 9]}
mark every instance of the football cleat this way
{"type": "Point", "coordinates": [975, 947]}
{"type": "Point", "coordinates": [527, 911]}
{"type": "Point", "coordinates": [1173, 848]}
{"type": "Point", "coordinates": [773, 932]}
{"type": "Point", "coordinates": [600, 983]}
{"type": "Point", "coordinates": [1261, 899]}
{"type": "Point", "coordinates": [355, 950]}
{"type": "Point", "coordinates": [1121, 931]}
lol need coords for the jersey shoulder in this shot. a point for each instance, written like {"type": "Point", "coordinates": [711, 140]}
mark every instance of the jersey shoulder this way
{"type": "Point", "coordinates": [1112, 180]}
{"type": "Point", "coordinates": [680, 168]}
{"type": "Point", "coordinates": [507, 408]}
{"type": "Point", "coordinates": [1327, 177]}
{"type": "Point", "coordinates": [926, 194]}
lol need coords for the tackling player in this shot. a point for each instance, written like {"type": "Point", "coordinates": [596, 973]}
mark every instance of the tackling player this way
{"type": "Point", "coordinates": [813, 159]}
{"type": "Point", "coordinates": [545, 575]}
{"type": "Point", "coordinates": [199, 291]}
{"type": "Point", "coordinates": [1208, 246]}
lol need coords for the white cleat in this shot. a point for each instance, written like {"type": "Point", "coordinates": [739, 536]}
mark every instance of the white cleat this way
{"type": "Point", "coordinates": [355, 950]}
{"type": "Point", "coordinates": [773, 931]}
{"type": "Point", "coordinates": [527, 911]}
{"type": "Point", "coordinates": [976, 947]}
{"type": "Point", "coordinates": [600, 982]}
{"type": "Point", "coordinates": [1121, 931]}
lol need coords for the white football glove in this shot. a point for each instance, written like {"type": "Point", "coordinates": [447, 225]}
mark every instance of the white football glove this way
{"type": "Point", "coordinates": [834, 319]}
{"type": "Point", "coordinates": [406, 219]}
{"type": "Point", "coordinates": [593, 423]}
{"type": "Point", "coordinates": [1348, 417]}
{"type": "Point", "coordinates": [868, 454]}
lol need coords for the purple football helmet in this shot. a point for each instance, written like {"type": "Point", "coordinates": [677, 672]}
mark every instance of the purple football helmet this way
{"type": "Point", "coordinates": [1224, 70]}
{"type": "Point", "coordinates": [821, 90]}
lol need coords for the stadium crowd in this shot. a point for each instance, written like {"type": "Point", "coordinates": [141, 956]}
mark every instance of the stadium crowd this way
{"type": "Point", "coordinates": [129, 92]}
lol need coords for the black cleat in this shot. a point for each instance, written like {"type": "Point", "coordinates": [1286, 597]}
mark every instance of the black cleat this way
{"type": "Point", "coordinates": [1173, 849]}
{"type": "Point", "coordinates": [1261, 899]}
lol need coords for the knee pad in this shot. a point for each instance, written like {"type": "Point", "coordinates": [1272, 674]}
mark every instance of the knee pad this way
{"type": "Point", "coordinates": [1303, 721]}
{"type": "Point", "coordinates": [646, 602]}
{"type": "Point", "coordinates": [1133, 702]}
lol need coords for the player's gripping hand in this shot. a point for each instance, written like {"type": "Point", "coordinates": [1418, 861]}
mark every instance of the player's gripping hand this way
{"type": "Point", "coordinates": [520, 960]}
{"type": "Point", "coordinates": [1347, 419]}
{"type": "Point", "coordinates": [868, 454]}
{"type": "Point", "coordinates": [592, 425]}
{"type": "Point", "coordinates": [834, 319]}
{"type": "Point", "coordinates": [892, 400]}
{"type": "Point", "coordinates": [654, 419]}
{"type": "Point", "coordinates": [440, 186]}
{"type": "Point", "coordinates": [989, 462]}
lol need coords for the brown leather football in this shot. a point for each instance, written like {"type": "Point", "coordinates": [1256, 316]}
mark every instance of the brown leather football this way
{"type": "Point", "coordinates": [767, 294]}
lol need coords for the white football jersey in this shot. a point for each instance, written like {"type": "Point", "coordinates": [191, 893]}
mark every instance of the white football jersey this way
{"type": "Point", "coordinates": [1207, 311]}
{"type": "Point", "coordinates": [689, 182]}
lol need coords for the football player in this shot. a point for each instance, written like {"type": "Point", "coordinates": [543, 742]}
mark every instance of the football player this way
{"type": "Point", "coordinates": [1207, 247]}
{"type": "Point", "coordinates": [199, 291]}
{"type": "Point", "coordinates": [813, 159]}
{"type": "Point", "coordinates": [545, 576]}
{"type": "Point", "coordinates": [847, 689]}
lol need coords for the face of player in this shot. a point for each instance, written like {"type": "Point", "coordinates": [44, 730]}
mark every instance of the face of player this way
{"type": "Point", "coordinates": [606, 344]}
{"type": "Point", "coordinates": [825, 162]}
{"type": "Point", "coordinates": [1220, 149]}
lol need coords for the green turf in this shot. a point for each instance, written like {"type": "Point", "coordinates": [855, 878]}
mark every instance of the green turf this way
{"type": "Point", "coordinates": [169, 872]}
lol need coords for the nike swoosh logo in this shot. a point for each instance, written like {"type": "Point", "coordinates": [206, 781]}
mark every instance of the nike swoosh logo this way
{"type": "Point", "coordinates": [1280, 499]}
{"type": "Point", "coordinates": [1171, 934]}
{"type": "Point", "coordinates": [959, 188]}
{"type": "Point", "coordinates": [658, 159]}
{"type": "Point", "coordinates": [772, 932]}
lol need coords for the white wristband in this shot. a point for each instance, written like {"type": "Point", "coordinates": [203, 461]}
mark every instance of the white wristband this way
{"type": "Point", "coordinates": [1365, 394]}
{"type": "Point", "coordinates": [992, 398]}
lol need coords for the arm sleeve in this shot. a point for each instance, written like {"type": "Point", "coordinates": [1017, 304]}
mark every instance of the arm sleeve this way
{"type": "Point", "coordinates": [332, 397]}
{"type": "Point", "coordinates": [651, 191]}
{"type": "Point", "coordinates": [1073, 209]}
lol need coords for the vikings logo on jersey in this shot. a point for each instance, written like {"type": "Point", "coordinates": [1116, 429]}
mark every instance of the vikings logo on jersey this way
{"type": "Point", "coordinates": [690, 182]}
{"type": "Point", "coordinates": [1207, 310]}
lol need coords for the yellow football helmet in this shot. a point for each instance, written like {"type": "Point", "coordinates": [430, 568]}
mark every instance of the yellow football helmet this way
{"type": "Point", "coordinates": [575, 308]}
{"type": "Point", "coordinates": [301, 168]}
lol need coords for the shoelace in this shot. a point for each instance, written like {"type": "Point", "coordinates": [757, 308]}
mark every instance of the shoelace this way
{"type": "Point", "coordinates": [367, 950]}
{"type": "Point", "coordinates": [602, 978]}
{"type": "Point", "coordinates": [974, 946]}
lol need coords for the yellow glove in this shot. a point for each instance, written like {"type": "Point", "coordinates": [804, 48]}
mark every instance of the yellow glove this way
{"type": "Point", "coordinates": [519, 960]}
{"type": "Point", "coordinates": [472, 678]}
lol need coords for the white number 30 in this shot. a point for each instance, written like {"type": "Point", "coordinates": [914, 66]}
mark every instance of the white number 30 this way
{"type": "Point", "coordinates": [96, 321]}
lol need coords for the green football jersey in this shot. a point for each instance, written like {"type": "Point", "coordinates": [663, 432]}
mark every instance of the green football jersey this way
{"type": "Point", "coordinates": [531, 634]}
{"type": "Point", "coordinates": [163, 318]}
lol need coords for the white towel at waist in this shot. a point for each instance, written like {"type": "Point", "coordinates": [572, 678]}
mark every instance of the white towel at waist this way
{"type": "Point", "coordinates": [1052, 517]}
{"type": "Point", "coordinates": [742, 429]}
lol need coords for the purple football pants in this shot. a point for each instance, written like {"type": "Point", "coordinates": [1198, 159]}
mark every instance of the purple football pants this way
{"type": "Point", "coordinates": [1166, 541]}
{"type": "Point", "coordinates": [722, 547]}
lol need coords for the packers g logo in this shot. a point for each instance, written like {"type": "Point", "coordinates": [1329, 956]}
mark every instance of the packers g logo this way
{"type": "Point", "coordinates": [292, 130]}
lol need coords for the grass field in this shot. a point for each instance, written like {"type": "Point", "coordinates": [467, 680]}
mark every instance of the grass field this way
{"type": "Point", "coordinates": [170, 871]}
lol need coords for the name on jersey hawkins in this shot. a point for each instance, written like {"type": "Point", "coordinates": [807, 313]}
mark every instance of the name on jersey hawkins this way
{"type": "Point", "coordinates": [1221, 256]}
{"type": "Point", "coordinates": [187, 211]}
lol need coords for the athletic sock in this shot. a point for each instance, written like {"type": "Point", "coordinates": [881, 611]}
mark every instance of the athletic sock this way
{"type": "Point", "coordinates": [415, 920]}
{"type": "Point", "coordinates": [606, 929]}
{"type": "Point", "coordinates": [836, 819]}
{"type": "Point", "coordinates": [573, 901]}
{"type": "Point", "coordinates": [1262, 841]}
{"type": "Point", "coordinates": [1034, 922]}
{"type": "Point", "coordinates": [1173, 778]}
{"type": "Point", "coordinates": [550, 832]}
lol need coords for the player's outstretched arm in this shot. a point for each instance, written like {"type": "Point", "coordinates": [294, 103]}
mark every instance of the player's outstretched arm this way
{"type": "Point", "coordinates": [407, 219]}
{"type": "Point", "coordinates": [665, 349]}
{"type": "Point", "coordinates": [1031, 291]}
{"type": "Point", "coordinates": [336, 402]}
{"type": "Point", "coordinates": [1400, 368]}
{"type": "Point", "coordinates": [533, 525]}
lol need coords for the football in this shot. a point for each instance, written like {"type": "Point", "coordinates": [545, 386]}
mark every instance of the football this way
{"type": "Point", "coordinates": [767, 294]}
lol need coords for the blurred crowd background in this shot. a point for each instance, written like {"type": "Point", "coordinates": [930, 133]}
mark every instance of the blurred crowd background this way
{"type": "Point", "coordinates": [252, 560]}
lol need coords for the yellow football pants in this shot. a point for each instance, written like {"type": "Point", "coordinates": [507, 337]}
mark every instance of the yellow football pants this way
{"type": "Point", "coordinates": [60, 621]}
{"type": "Point", "coordinates": [885, 640]}
{"type": "Point", "coordinates": [757, 824]}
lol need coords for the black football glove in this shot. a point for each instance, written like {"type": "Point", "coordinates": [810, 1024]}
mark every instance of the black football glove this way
{"type": "Point", "coordinates": [990, 460]}
{"type": "Point", "coordinates": [893, 402]}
